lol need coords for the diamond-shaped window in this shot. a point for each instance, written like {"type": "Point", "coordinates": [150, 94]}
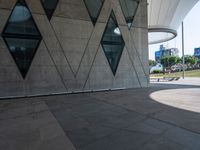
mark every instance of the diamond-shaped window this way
{"type": "Point", "coordinates": [112, 43]}
{"type": "Point", "coordinates": [22, 36]}
{"type": "Point", "coordinates": [94, 9]}
{"type": "Point", "coordinates": [49, 7]}
{"type": "Point", "coordinates": [129, 8]}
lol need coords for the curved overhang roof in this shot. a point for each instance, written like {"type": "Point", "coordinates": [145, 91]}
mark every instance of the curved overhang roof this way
{"type": "Point", "coordinates": [164, 18]}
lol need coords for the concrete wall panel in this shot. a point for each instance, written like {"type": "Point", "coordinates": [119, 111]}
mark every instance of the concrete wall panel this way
{"type": "Point", "coordinates": [70, 57]}
{"type": "Point", "coordinates": [74, 9]}
{"type": "Point", "coordinates": [74, 36]}
{"type": "Point", "coordinates": [7, 4]}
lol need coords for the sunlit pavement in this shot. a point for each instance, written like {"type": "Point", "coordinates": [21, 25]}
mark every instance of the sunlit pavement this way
{"type": "Point", "coordinates": [163, 117]}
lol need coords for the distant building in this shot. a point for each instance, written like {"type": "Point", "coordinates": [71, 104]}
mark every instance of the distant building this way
{"type": "Point", "coordinates": [197, 53]}
{"type": "Point", "coordinates": [165, 52]}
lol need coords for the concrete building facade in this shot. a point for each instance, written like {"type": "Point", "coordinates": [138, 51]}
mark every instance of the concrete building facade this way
{"type": "Point", "coordinates": [197, 53]}
{"type": "Point", "coordinates": [70, 56]}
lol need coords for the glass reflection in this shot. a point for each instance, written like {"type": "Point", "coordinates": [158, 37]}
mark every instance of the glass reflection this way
{"type": "Point", "coordinates": [21, 21]}
{"type": "Point", "coordinates": [94, 8]}
{"type": "Point", "coordinates": [22, 36]}
{"type": "Point", "coordinates": [117, 31]}
{"type": "Point", "coordinates": [23, 51]}
{"type": "Point", "coordinates": [129, 8]}
{"type": "Point", "coordinates": [49, 7]}
{"type": "Point", "coordinates": [113, 43]}
{"type": "Point", "coordinates": [22, 14]}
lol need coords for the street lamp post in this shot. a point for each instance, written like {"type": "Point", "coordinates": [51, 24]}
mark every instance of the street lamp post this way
{"type": "Point", "coordinates": [183, 50]}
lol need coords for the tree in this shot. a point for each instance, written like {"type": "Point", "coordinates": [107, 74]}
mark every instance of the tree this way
{"type": "Point", "coordinates": [152, 62]}
{"type": "Point", "coordinates": [190, 61]}
{"type": "Point", "coordinates": [179, 60]}
{"type": "Point", "coordinates": [165, 61]}
{"type": "Point", "coordinates": [169, 61]}
{"type": "Point", "coordinates": [173, 60]}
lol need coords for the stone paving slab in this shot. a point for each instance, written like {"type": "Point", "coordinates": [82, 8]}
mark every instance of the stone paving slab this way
{"type": "Point", "coordinates": [29, 125]}
{"type": "Point", "coordinates": [115, 120]}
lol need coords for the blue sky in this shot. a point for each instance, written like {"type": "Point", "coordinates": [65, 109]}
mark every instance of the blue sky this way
{"type": "Point", "coordinates": [191, 31]}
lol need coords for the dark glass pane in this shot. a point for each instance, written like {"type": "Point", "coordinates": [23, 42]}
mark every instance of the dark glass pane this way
{"type": "Point", "coordinates": [23, 51]}
{"type": "Point", "coordinates": [49, 7]}
{"type": "Point", "coordinates": [129, 8]}
{"type": "Point", "coordinates": [21, 21]}
{"type": "Point", "coordinates": [112, 43]}
{"type": "Point", "coordinates": [94, 8]}
{"type": "Point", "coordinates": [22, 36]}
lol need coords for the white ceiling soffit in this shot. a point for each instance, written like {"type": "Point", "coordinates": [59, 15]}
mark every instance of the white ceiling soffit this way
{"type": "Point", "coordinates": [166, 15]}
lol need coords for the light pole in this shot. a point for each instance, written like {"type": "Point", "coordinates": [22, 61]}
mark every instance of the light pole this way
{"type": "Point", "coordinates": [183, 50]}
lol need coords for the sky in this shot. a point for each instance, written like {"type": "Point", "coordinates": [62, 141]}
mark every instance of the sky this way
{"type": "Point", "coordinates": [191, 35]}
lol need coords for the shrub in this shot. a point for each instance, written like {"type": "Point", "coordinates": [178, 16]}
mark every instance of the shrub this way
{"type": "Point", "coordinates": [157, 71]}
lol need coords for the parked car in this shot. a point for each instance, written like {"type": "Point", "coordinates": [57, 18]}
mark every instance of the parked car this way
{"type": "Point", "coordinates": [157, 68]}
{"type": "Point", "coordinates": [178, 67]}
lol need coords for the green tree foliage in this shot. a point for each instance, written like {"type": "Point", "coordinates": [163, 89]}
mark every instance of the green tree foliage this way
{"type": "Point", "coordinates": [190, 60]}
{"type": "Point", "coordinates": [173, 60]}
{"type": "Point", "coordinates": [179, 60]}
{"type": "Point", "coordinates": [169, 61]}
{"type": "Point", "coordinates": [165, 61]}
{"type": "Point", "coordinates": [152, 62]}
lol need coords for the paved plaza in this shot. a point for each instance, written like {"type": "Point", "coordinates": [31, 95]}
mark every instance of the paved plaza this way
{"type": "Point", "coordinates": [165, 116]}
